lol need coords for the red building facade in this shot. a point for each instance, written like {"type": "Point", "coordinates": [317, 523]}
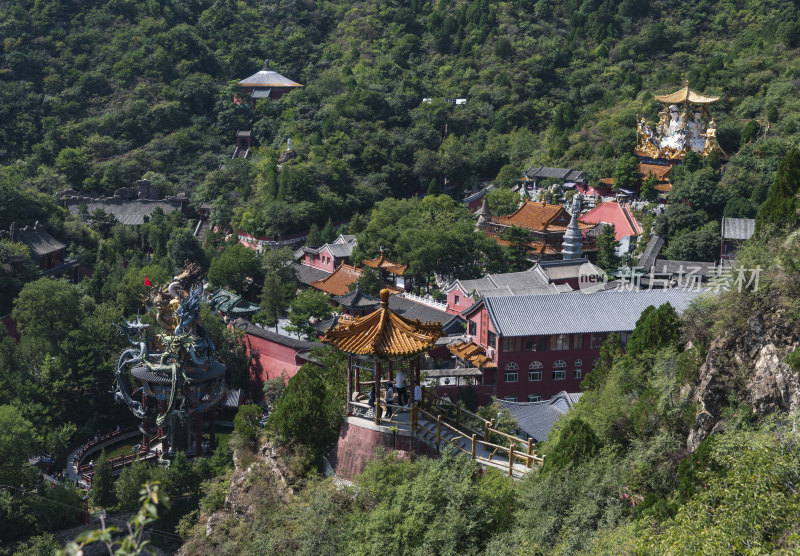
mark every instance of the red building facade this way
{"type": "Point", "coordinates": [543, 344]}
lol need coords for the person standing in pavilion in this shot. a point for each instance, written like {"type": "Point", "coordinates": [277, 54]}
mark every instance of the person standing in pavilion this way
{"type": "Point", "coordinates": [400, 387]}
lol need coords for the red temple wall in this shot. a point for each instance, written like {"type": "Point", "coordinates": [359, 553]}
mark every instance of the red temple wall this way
{"type": "Point", "coordinates": [357, 446]}
{"type": "Point", "coordinates": [269, 360]}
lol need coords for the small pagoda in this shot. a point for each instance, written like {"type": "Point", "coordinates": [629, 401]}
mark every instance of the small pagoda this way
{"type": "Point", "coordinates": [381, 343]}
{"type": "Point", "coordinates": [356, 303]}
{"type": "Point", "coordinates": [266, 83]}
{"type": "Point", "coordinates": [391, 273]}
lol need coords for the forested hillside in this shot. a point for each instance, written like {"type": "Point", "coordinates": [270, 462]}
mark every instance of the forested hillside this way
{"type": "Point", "coordinates": [686, 442]}
{"type": "Point", "coordinates": [97, 95]}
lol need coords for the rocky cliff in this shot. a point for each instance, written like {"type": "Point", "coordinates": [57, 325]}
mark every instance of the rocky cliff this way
{"type": "Point", "coordinates": [748, 364]}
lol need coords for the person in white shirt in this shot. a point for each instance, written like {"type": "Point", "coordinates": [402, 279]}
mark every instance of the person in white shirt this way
{"type": "Point", "coordinates": [417, 393]}
{"type": "Point", "coordinates": [400, 387]}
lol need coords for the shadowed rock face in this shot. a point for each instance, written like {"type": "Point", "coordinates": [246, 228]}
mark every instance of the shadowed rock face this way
{"type": "Point", "coordinates": [749, 364]}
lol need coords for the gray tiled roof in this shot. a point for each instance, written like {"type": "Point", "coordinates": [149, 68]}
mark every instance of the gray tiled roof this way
{"type": "Point", "coordinates": [307, 274]}
{"type": "Point", "coordinates": [704, 269]}
{"type": "Point", "coordinates": [567, 270]}
{"type": "Point", "coordinates": [511, 283]}
{"type": "Point", "coordinates": [131, 213]}
{"type": "Point", "coordinates": [479, 194]}
{"type": "Point", "coordinates": [281, 339]}
{"type": "Point", "coordinates": [575, 313]}
{"type": "Point", "coordinates": [537, 418]}
{"type": "Point", "coordinates": [737, 228]}
{"type": "Point", "coordinates": [413, 310]}
{"type": "Point", "coordinates": [36, 239]}
{"type": "Point", "coordinates": [357, 299]}
{"type": "Point", "coordinates": [340, 250]}
{"type": "Point", "coordinates": [651, 251]}
{"type": "Point", "coordinates": [566, 174]}
{"type": "Point", "coordinates": [268, 78]}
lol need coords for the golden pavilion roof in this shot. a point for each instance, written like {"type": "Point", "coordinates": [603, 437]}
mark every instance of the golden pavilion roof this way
{"type": "Point", "coordinates": [382, 263]}
{"type": "Point", "coordinates": [384, 333]}
{"type": "Point", "coordinates": [472, 353]}
{"type": "Point", "coordinates": [686, 95]}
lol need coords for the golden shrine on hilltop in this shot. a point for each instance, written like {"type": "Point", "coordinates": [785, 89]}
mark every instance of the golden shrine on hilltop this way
{"type": "Point", "coordinates": [684, 125]}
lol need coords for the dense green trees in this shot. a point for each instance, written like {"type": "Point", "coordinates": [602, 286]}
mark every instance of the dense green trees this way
{"type": "Point", "coordinates": [502, 201]}
{"type": "Point", "coordinates": [369, 282]}
{"type": "Point", "coordinates": [280, 284]}
{"type": "Point", "coordinates": [433, 234]}
{"type": "Point", "coordinates": [780, 208]}
{"type": "Point", "coordinates": [309, 304]}
{"type": "Point", "coordinates": [103, 494]}
{"type": "Point", "coordinates": [308, 412]}
{"type": "Point", "coordinates": [234, 268]}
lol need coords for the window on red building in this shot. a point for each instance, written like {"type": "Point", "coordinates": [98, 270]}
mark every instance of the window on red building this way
{"type": "Point", "coordinates": [536, 343]}
{"type": "Point", "coordinates": [559, 342]}
{"type": "Point", "coordinates": [510, 345]}
{"type": "Point", "coordinates": [535, 371]}
{"type": "Point", "coordinates": [512, 372]}
{"type": "Point", "coordinates": [510, 398]}
{"type": "Point", "coordinates": [491, 340]}
{"type": "Point", "coordinates": [624, 337]}
{"type": "Point", "coordinates": [577, 341]}
{"type": "Point", "coordinates": [473, 328]}
{"type": "Point", "coordinates": [456, 298]}
{"type": "Point", "coordinates": [559, 370]}
{"type": "Point", "coordinates": [597, 341]}
{"type": "Point", "coordinates": [578, 368]}
{"type": "Point", "coordinates": [534, 398]}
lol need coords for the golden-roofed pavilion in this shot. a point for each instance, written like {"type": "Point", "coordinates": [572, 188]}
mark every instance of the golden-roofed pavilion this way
{"type": "Point", "coordinates": [684, 126]}
{"type": "Point", "coordinates": [686, 95]}
{"type": "Point", "coordinates": [382, 339]}
{"type": "Point", "coordinates": [384, 334]}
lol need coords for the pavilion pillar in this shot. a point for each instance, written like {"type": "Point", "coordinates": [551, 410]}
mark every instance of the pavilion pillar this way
{"type": "Point", "coordinates": [198, 434]}
{"type": "Point", "coordinates": [212, 428]}
{"type": "Point", "coordinates": [390, 371]}
{"type": "Point", "coordinates": [357, 378]}
{"type": "Point", "coordinates": [377, 386]}
{"type": "Point", "coordinates": [349, 385]}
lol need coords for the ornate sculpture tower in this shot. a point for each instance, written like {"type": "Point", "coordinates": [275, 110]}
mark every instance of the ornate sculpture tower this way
{"type": "Point", "coordinates": [182, 383]}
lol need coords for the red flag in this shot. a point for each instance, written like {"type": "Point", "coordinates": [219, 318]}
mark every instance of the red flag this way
{"type": "Point", "coordinates": [146, 281]}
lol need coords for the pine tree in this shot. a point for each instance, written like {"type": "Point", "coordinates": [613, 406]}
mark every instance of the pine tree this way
{"type": "Point", "coordinates": [272, 181]}
{"type": "Point", "coordinates": [648, 190]}
{"type": "Point", "coordinates": [626, 172]}
{"type": "Point", "coordinates": [328, 232]}
{"type": "Point", "coordinates": [780, 208]}
{"type": "Point", "coordinates": [369, 282]}
{"type": "Point", "coordinates": [577, 442]}
{"type": "Point", "coordinates": [607, 258]}
{"type": "Point", "coordinates": [314, 237]}
{"type": "Point", "coordinates": [433, 187]}
{"type": "Point", "coordinates": [103, 494]}
{"type": "Point", "coordinates": [519, 239]}
{"type": "Point", "coordinates": [357, 224]}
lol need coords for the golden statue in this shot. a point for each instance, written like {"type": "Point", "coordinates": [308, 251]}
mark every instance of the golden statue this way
{"type": "Point", "coordinates": [683, 126]}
